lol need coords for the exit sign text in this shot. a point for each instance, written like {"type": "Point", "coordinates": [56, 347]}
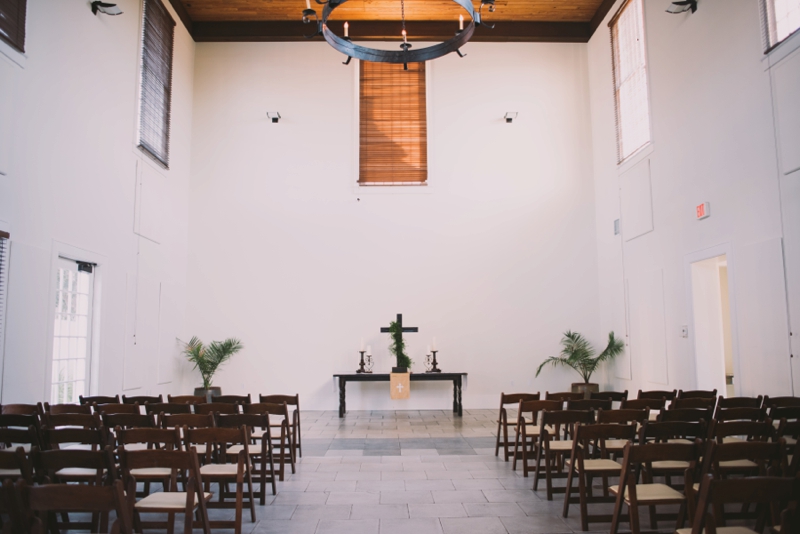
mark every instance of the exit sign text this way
{"type": "Point", "coordinates": [703, 210]}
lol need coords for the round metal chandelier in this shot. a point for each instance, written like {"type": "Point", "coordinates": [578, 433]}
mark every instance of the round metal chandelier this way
{"type": "Point", "coordinates": [405, 55]}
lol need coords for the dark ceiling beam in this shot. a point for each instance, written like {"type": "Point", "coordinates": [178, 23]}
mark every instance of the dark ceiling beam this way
{"type": "Point", "coordinates": [600, 14]}
{"type": "Point", "coordinates": [504, 31]}
{"type": "Point", "coordinates": [180, 9]}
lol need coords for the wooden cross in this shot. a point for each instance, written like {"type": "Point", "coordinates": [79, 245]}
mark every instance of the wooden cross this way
{"type": "Point", "coordinates": [386, 330]}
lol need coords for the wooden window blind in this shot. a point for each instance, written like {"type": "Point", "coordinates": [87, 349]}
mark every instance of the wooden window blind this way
{"type": "Point", "coordinates": [12, 23]}
{"type": "Point", "coordinates": [781, 19]}
{"type": "Point", "coordinates": [3, 286]}
{"type": "Point", "coordinates": [393, 124]}
{"type": "Point", "coordinates": [630, 79]}
{"type": "Point", "coordinates": [158, 38]}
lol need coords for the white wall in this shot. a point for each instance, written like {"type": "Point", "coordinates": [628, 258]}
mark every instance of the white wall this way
{"type": "Point", "coordinates": [713, 141]}
{"type": "Point", "coordinates": [496, 258]}
{"type": "Point", "coordinates": [71, 184]}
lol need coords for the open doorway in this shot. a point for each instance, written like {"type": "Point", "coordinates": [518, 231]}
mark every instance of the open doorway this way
{"type": "Point", "coordinates": [713, 337]}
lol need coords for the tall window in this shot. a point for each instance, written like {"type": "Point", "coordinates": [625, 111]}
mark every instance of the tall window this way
{"type": "Point", "coordinates": [72, 335]}
{"type": "Point", "coordinates": [393, 123]}
{"type": "Point", "coordinates": [156, 92]}
{"type": "Point", "coordinates": [782, 19]}
{"type": "Point", "coordinates": [12, 23]}
{"type": "Point", "coordinates": [3, 286]}
{"type": "Point", "coordinates": [630, 79]}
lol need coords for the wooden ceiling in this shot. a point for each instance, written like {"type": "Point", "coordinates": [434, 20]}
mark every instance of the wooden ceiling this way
{"type": "Point", "coordinates": [279, 20]}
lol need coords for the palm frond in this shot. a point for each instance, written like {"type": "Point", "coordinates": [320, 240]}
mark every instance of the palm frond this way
{"type": "Point", "coordinates": [578, 354]}
{"type": "Point", "coordinates": [207, 359]}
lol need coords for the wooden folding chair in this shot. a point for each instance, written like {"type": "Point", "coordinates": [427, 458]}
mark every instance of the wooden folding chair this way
{"type": "Point", "coordinates": [789, 431]}
{"type": "Point", "coordinates": [657, 394]}
{"type": "Point", "coordinates": [261, 454]}
{"type": "Point", "coordinates": [20, 409]}
{"type": "Point", "coordinates": [621, 417]}
{"type": "Point", "coordinates": [589, 459]}
{"type": "Point", "coordinates": [769, 493]}
{"type": "Point", "coordinates": [141, 400]}
{"type": "Point", "coordinates": [589, 404]}
{"type": "Point", "coordinates": [790, 413]}
{"type": "Point", "coordinates": [98, 399]}
{"type": "Point", "coordinates": [502, 419]}
{"type": "Point", "coordinates": [615, 396]}
{"type": "Point", "coordinates": [75, 420]}
{"type": "Point", "coordinates": [694, 403]}
{"type": "Point", "coordinates": [292, 401]}
{"type": "Point", "coordinates": [526, 431]}
{"type": "Point", "coordinates": [740, 402]}
{"type": "Point", "coordinates": [697, 394]}
{"type": "Point", "coordinates": [216, 468]}
{"type": "Point", "coordinates": [689, 415]}
{"type": "Point", "coordinates": [24, 430]}
{"type": "Point", "coordinates": [563, 396]}
{"type": "Point", "coordinates": [185, 399]}
{"type": "Point", "coordinates": [170, 501]}
{"type": "Point", "coordinates": [633, 494]}
{"type": "Point", "coordinates": [136, 439]}
{"type": "Point", "coordinates": [216, 407]}
{"type": "Point", "coordinates": [653, 406]}
{"type": "Point", "coordinates": [738, 431]}
{"type": "Point", "coordinates": [232, 399]}
{"type": "Point", "coordinates": [74, 438]}
{"type": "Point", "coordinates": [167, 408]}
{"type": "Point", "coordinates": [551, 448]}
{"type": "Point", "coordinates": [283, 443]}
{"type": "Point", "coordinates": [780, 402]}
{"type": "Point", "coordinates": [48, 499]}
{"type": "Point", "coordinates": [115, 408]}
{"type": "Point", "coordinates": [58, 409]}
{"type": "Point", "coordinates": [682, 432]}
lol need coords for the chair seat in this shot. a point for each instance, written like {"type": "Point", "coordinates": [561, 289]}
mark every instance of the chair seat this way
{"type": "Point", "coordinates": [790, 441]}
{"type": "Point", "coordinates": [670, 464]}
{"type": "Point", "coordinates": [234, 450]}
{"type": "Point", "coordinates": [151, 472]}
{"type": "Point", "coordinates": [598, 465]}
{"type": "Point", "coordinates": [76, 447]}
{"type": "Point", "coordinates": [561, 445]}
{"type": "Point", "coordinates": [77, 472]}
{"type": "Point", "coordinates": [739, 464]}
{"type": "Point", "coordinates": [10, 473]}
{"type": "Point", "coordinates": [219, 470]}
{"type": "Point", "coordinates": [201, 449]}
{"type": "Point", "coordinates": [732, 439]}
{"type": "Point", "coordinates": [257, 433]}
{"type": "Point", "coordinates": [616, 444]}
{"type": "Point", "coordinates": [164, 502]}
{"type": "Point", "coordinates": [723, 530]}
{"type": "Point", "coordinates": [135, 446]}
{"type": "Point", "coordinates": [647, 493]}
{"type": "Point", "coordinates": [681, 440]}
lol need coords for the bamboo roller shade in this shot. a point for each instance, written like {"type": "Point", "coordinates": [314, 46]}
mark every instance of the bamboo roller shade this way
{"type": "Point", "coordinates": [393, 124]}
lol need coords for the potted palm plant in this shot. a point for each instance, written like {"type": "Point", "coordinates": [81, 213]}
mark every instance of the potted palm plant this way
{"type": "Point", "coordinates": [207, 359]}
{"type": "Point", "coordinates": [578, 354]}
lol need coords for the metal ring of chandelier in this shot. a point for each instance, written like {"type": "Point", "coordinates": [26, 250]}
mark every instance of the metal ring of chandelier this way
{"type": "Point", "coordinates": [405, 55]}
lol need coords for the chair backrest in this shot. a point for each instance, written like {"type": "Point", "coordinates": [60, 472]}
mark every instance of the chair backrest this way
{"type": "Point", "coordinates": [589, 404]}
{"type": "Point", "coordinates": [697, 403]}
{"type": "Point", "coordinates": [697, 394]}
{"type": "Point", "coordinates": [514, 398]}
{"type": "Point", "coordinates": [751, 430]}
{"type": "Point", "coordinates": [740, 402]}
{"type": "Point", "coordinates": [657, 394]}
{"type": "Point", "coordinates": [217, 438]}
{"type": "Point", "coordinates": [47, 463]}
{"type": "Point", "coordinates": [185, 399]}
{"type": "Point", "coordinates": [177, 460]}
{"type": "Point", "coordinates": [80, 498]}
{"type": "Point", "coordinates": [529, 410]}
{"type": "Point", "coordinates": [19, 409]}
{"type": "Point", "coordinates": [167, 438]}
{"type": "Point", "coordinates": [16, 460]}
{"type": "Point", "coordinates": [790, 413]}
{"type": "Point", "coordinates": [644, 404]}
{"type": "Point", "coordinates": [170, 408]}
{"type": "Point", "coordinates": [20, 421]}
{"type": "Point", "coordinates": [563, 396]}
{"type": "Point", "coordinates": [772, 491]}
{"type": "Point", "coordinates": [142, 399]}
{"type": "Point", "coordinates": [23, 436]}
{"type": "Point", "coordinates": [685, 414]}
{"type": "Point", "coordinates": [588, 436]}
{"type": "Point", "coordinates": [129, 420]}
{"type": "Point", "coordinates": [82, 420]}
{"type": "Point", "coordinates": [657, 452]}
{"type": "Point", "coordinates": [564, 422]}
{"type": "Point", "coordinates": [232, 399]}
{"type": "Point", "coordinates": [616, 396]}
{"type": "Point", "coordinates": [740, 414]}
{"type": "Point", "coordinates": [622, 416]}
{"type": "Point", "coordinates": [53, 438]}
{"type": "Point", "coordinates": [661, 431]}
{"type": "Point", "coordinates": [216, 407]}
{"type": "Point", "coordinates": [58, 409]}
{"type": "Point", "coordinates": [98, 399]}
{"type": "Point", "coordinates": [250, 420]}
{"type": "Point", "coordinates": [116, 407]}
{"type": "Point", "coordinates": [769, 457]}
{"type": "Point", "coordinates": [268, 408]}
{"type": "Point", "coordinates": [291, 400]}
{"type": "Point", "coordinates": [190, 420]}
{"type": "Point", "coordinates": [780, 402]}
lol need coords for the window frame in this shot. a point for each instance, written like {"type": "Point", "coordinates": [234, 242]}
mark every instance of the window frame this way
{"type": "Point", "coordinates": [21, 27]}
{"type": "Point", "coordinates": [769, 27]}
{"type": "Point", "coordinates": [152, 152]}
{"type": "Point", "coordinates": [645, 148]}
{"type": "Point", "coordinates": [389, 187]}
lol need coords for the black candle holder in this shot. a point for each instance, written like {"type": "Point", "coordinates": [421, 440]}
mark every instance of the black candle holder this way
{"type": "Point", "coordinates": [361, 368]}
{"type": "Point", "coordinates": [370, 363]}
{"type": "Point", "coordinates": [434, 364]}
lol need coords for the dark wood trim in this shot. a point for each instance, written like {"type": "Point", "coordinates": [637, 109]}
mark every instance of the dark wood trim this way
{"type": "Point", "coordinates": [505, 31]}
{"type": "Point", "coordinates": [601, 13]}
{"type": "Point", "coordinates": [4, 235]}
{"type": "Point", "coordinates": [180, 9]}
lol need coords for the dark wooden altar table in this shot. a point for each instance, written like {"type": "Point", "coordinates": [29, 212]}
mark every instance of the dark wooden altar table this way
{"type": "Point", "coordinates": [456, 378]}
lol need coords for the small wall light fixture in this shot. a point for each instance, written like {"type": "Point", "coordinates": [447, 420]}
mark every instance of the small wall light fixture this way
{"type": "Point", "coordinates": [682, 6]}
{"type": "Point", "coordinates": [106, 9]}
{"type": "Point", "coordinates": [274, 116]}
{"type": "Point", "coordinates": [510, 116]}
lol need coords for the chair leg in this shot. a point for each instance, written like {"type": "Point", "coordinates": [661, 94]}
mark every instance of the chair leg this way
{"type": "Point", "coordinates": [548, 475]}
{"type": "Point", "coordinates": [567, 493]}
{"type": "Point", "coordinates": [633, 510]}
{"type": "Point", "coordinates": [516, 449]}
{"type": "Point", "coordinates": [536, 465]}
{"type": "Point", "coordinates": [497, 441]}
{"type": "Point", "coordinates": [617, 514]}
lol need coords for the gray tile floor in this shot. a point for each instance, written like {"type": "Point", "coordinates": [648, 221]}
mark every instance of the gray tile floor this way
{"type": "Point", "coordinates": [408, 472]}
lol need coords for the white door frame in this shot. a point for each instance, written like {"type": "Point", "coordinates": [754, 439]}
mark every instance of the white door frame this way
{"type": "Point", "coordinates": [706, 254]}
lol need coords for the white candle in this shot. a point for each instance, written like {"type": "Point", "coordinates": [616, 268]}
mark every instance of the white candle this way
{"type": "Point", "coordinates": [346, 29]}
{"type": "Point", "coordinates": [404, 37]}
{"type": "Point", "coordinates": [428, 350]}
{"type": "Point", "coordinates": [461, 22]}
{"type": "Point", "coordinates": [308, 4]}
{"type": "Point", "coordinates": [369, 350]}
{"type": "Point", "coordinates": [433, 344]}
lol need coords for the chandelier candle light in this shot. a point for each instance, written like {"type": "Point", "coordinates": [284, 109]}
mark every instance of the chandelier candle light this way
{"type": "Point", "coordinates": [406, 55]}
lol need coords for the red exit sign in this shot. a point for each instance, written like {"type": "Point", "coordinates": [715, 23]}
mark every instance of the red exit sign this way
{"type": "Point", "coordinates": [703, 210]}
